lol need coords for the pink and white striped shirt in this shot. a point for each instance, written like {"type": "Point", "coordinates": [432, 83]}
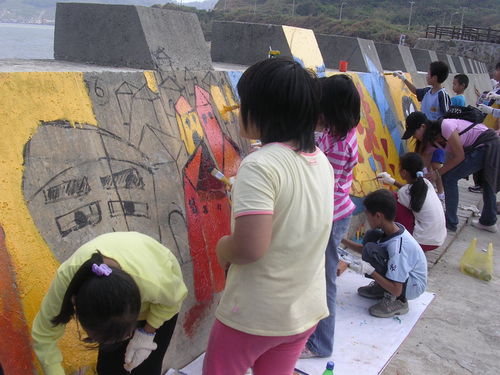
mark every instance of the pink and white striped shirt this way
{"type": "Point", "coordinates": [343, 156]}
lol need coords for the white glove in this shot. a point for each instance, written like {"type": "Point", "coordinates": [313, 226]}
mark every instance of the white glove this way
{"type": "Point", "coordinates": [485, 109]}
{"type": "Point", "coordinates": [399, 74]}
{"type": "Point", "coordinates": [493, 96]}
{"type": "Point", "coordinates": [386, 178]}
{"type": "Point", "coordinates": [139, 348]}
{"type": "Point", "coordinates": [362, 267]}
{"type": "Point", "coordinates": [494, 82]}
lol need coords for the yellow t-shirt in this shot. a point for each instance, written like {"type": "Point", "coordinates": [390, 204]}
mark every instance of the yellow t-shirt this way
{"type": "Point", "coordinates": [152, 266]}
{"type": "Point", "coordinates": [284, 292]}
{"type": "Point", "coordinates": [490, 121]}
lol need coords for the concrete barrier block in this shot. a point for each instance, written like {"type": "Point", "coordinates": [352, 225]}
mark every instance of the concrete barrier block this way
{"type": "Point", "coordinates": [464, 66]}
{"type": "Point", "coordinates": [422, 59]}
{"type": "Point", "coordinates": [335, 48]}
{"type": "Point", "coordinates": [370, 55]}
{"type": "Point", "coordinates": [246, 43]}
{"type": "Point", "coordinates": [129, 36]}
{"type": "Point", "coordinates": [390, 56]}
{"type": "Point", "coordinates": [433, 55]}
{"type": "Point", "coordinates": [451, 64]}
{"type": "Point", "coordinates": [457, 64]}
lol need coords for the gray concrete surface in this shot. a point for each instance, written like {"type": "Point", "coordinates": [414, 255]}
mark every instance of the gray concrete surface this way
{"type": "Point", "coordinates": [335, 48]}
{"type": "Point", "coordinates": [457, 63]}
{"type": "Point", "coordinates": [390, 57]}
{"type": "Point", "coordinates": [487, 52]}
{"type": "Point", "coordinates": [246, 43]}
{"type": "Point", "coordinates": [18, 65]}
{"type": "Point", "coordinates": [370, 55]}
{"type": "Point", "coordinates": [459, 333]}
{"type": "Point", "coordinates": [129, 36]}
{"type": "Point", "coordinates": [422, 59]}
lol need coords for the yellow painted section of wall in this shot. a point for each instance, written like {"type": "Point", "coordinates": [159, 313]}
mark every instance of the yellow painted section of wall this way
{"type": "Point", "coordinates": [398, 90]}
{"type": "Point", "coordinates": [25, 100]}
{"type": "Point", "coordinates": [371, 135]}
{"type": "Point", "coordinates": [222, 101]}
{"type": "Point", "coordinates": [189, 123]}
{"type": "Point", "coordinates": [304, 46]}
{"type": "Point", "coordinates": [151, 80]}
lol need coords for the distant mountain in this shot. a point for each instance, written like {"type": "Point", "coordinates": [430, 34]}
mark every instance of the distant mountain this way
{"type": "Point", "coordinates": [203, 5]}
{"type": "Point", "coordinates": [43, 11]}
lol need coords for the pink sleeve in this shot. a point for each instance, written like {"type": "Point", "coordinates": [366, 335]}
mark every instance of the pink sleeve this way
{"type": "Point", "coordinates": [448, 126]}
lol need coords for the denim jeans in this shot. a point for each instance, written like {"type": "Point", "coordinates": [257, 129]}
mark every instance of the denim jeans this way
{"type": "Point", "coordinates": [474, 161]}
{"type": "Point", "coordinates": [321, 341]}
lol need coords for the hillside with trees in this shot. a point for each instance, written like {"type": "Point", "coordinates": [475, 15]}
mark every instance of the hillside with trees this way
{"type": "Point", "coordinates": [380, 20]}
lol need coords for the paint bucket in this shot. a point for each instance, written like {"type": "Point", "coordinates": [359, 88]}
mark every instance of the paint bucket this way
{"type": "Point", "coordinates": [343, 66]}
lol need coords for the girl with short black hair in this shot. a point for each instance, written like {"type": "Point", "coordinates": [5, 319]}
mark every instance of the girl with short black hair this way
{"type": "Point", "coordinates": [282, 213]}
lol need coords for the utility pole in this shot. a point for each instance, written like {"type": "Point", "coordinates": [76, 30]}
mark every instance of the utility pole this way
{"type": "Point", "coordinates": [462, 21]}
{"type": "Point", "coordinates": [341, 6]}
{"type": "Point", "coordinates": [411, 9]}
{"type": "Point", "coordinates": [293, 8]}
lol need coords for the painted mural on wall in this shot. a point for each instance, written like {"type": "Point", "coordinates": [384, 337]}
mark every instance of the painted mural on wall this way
{"type": "Point", "coordinates": [140, 159]}
{"type": "Point", "coordinates": [97, 152]}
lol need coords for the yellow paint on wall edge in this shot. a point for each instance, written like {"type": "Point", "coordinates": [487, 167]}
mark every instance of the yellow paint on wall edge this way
{"type": "Point", "coordinates": [26, 99]}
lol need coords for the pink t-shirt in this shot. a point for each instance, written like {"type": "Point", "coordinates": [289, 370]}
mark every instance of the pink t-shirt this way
{"type": "Point", "coordinates": [450, 125]}
{"type": "Point", "coordinates": [343, 156]}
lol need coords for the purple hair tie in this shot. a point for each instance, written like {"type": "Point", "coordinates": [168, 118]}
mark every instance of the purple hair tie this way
{"type": "Point", "coordinates": [101, 270]}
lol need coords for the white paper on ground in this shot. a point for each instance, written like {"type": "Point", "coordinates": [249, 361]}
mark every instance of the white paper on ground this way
{"type": "Point", "coordinates": [363, 344]}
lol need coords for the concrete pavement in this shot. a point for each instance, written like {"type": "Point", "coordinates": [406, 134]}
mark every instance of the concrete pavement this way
{"type": "Point", "coordinates": [460, 331]}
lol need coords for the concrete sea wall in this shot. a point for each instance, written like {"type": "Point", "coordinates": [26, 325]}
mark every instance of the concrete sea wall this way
{"type": "Point", "coordinates": [88, 149]}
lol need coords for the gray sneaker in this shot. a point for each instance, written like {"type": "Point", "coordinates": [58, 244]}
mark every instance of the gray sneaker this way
{"type": "Point", "coordinates": [389, 307]}
{"type": "Point", "coordinates": [372, 290]}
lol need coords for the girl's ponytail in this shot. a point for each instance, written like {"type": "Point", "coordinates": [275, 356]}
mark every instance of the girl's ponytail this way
{"type": "Point", "coordinates": [82, 275]}
{"type": "Point", "coordinates": [414, 165]}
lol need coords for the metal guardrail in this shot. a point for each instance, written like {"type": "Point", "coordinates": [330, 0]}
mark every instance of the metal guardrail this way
{"type": "Point", "coordinates": [465, 33]}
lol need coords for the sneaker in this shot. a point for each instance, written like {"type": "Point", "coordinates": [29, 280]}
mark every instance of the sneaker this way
{"type": "Point", "coordinates": [389, 307]}
{"type": "Point", "coordinates": [475, 189]}
{"type": "Point", "coordinates": [306, 353]}
{"type": "Point", "coordinates": [490, 228]}
{"type": "Point", "coordinates": [372, 290]}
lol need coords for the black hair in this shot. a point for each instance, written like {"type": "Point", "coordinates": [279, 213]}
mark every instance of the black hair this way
{"type": "Point", "coordinates": [412, 163]}
{"type": "Point", "coordinates": [106, 306]}
{"type": "Point", "coordinates": [431, 133]}
{"type": "Point", "coordinates": [281, 99]}
{"type": "Point", "coordinates": [439, 69]}
{"type": "Point", "coordinates": [382, 201]}
{"type": "Point", "coordinates": [462, 79]}
{"type": "Point", "coordinates": [340, 104]}
{"type": "Point", "coordinates": [497, 66]}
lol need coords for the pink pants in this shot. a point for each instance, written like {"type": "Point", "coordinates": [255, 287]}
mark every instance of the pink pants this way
{"type": "Point", "coordinates": [232, 352]}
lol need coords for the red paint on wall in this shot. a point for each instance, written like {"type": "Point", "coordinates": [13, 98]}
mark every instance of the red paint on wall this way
{"type": "Point", "coordinates": [208, 219]}
{"type": "Point", "coordinates": [370, 143]}
{"type": "Point", "coordinates": [15, 347]}
{"type": "Point", "coordinates": [193, 317]}
{"type": "Point", "coordinates": [226, 153]}
{"type": "Point", "coordinates": [210, 124]}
